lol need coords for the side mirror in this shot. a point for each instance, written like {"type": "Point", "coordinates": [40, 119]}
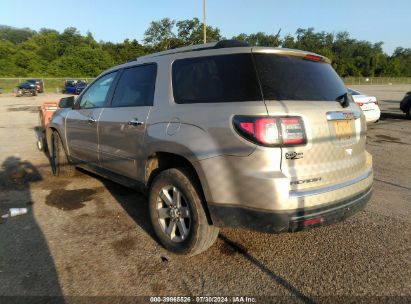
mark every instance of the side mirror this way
{"type": "Point", "coordinates": [66, 102]}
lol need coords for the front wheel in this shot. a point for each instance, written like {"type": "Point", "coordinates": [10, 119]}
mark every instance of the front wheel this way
{"type": "Point", "coordinates": [60, 164]}
{"type": "Point", "coordinates": [177, 213]}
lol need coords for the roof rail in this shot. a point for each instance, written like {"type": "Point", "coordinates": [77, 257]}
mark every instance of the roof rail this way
{"type": "Point", "coordinates": [198, 47]}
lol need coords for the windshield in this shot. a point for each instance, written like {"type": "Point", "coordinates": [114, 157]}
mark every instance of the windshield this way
{"type": "Point", "coordinates": [293, 78]}
{"type": "Point", "coordinates": [70, 83]}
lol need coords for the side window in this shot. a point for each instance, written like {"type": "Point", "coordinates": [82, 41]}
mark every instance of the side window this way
{"type": "Point", "coordinates": [96, 95]}
{"type": "Point", "coordinates": [136, 87]}
{"type": "Point", "coordinates": [222, 78]}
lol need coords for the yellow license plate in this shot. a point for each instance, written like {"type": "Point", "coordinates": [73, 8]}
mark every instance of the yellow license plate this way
{"type": "Point", "coordinates": [343, 129]}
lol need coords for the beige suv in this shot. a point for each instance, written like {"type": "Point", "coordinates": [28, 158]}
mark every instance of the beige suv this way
{"type": "Point", "coordinates": [222, 135]}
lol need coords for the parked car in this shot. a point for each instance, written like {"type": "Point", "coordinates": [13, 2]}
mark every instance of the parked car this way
{"type": "Point", "coordinates": [74, 86]}
{"type": "Point", "coordinates": [81, 85]}
{"type": "Point", "coordinates": [368, 104]}
{"type": "Point", "coordinates": [405, 105]}
{"type": "Point", "coordinates": [26, 88]}
{"type": "Point", "coordinates": [221, 135]}
{"type": "Point", "coordinates": [38, 83]}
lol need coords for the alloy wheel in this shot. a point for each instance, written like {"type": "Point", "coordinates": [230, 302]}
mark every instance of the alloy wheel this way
{"type": "Point", "coordinates": [173, 213]}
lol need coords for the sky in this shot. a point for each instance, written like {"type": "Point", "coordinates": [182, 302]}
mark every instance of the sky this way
{"type": "Point", "coordinates": [108, 20]}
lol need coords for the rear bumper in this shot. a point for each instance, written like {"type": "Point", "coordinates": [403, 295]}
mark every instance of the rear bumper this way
{"type": "Point", "coordinates": [288, 220]}
{"type": "Point", "coordinates": [372, 115]}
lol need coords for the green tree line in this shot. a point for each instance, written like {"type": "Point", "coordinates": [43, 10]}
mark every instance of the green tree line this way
{"type": "Point", "coordinates": [49, 53]}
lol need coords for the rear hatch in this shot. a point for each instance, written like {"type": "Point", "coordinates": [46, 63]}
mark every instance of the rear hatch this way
{"type": "Point", "coordinates": [305, 85]}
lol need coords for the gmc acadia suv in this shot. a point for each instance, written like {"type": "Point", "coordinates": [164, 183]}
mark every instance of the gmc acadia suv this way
{"type": "Point", "coordinates": [222, 135]}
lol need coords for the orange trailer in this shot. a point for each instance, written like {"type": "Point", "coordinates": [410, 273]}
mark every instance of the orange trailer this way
{"type": "Point", "coordinates": [47, 110]}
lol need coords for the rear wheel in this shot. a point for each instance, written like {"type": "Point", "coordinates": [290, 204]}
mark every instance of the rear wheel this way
{"type": "Point", "coordinates": [408, 112]}
{"type": "Point", "coordinates": [60, 164]}
{"type": "Point", "coordinates": [177, 214]}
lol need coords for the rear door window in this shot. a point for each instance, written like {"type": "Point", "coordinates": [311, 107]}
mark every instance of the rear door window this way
{"type": "Point", "coordinates": [223, 78]}
{"type": "Point", "coordinates": [136, 87]}
{"type": "Point", "coordinates": [293, 78]}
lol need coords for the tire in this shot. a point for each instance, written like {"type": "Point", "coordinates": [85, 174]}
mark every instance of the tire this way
{"type": "Point", "coordinates": [60, 164]}
{"type": "Point", "coordinates": [40, 145]}
{"type": "Point", "coordinates": [167, 214]}
{"type": "Point", "coordinates": [408, 112]}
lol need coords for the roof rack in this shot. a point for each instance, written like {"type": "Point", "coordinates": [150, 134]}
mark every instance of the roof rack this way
{"type": "Point", "coordinates": [198, 47]}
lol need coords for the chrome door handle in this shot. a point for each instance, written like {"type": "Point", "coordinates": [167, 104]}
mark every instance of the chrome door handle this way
{"type": "Point", "coordinates": [135, 122]}
{"type": "Point", "coordinates": [91, 120]}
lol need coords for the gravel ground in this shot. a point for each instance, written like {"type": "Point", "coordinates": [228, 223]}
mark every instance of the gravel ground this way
{"type": "Point", "coordinates": [87, 236]}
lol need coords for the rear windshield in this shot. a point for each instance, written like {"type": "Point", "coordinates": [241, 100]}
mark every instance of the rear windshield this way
{"type": "Point", "coordinates": [292, 78]}
{"type": "Point", "coordinates": [224, 78]}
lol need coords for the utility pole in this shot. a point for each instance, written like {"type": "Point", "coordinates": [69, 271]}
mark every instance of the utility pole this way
{"type": "Point", "coordinates": [204, 22]}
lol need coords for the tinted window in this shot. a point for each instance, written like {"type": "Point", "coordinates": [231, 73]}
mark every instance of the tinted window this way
{"type": "Point", "coordinates": [96, 95]}
{"type": "Point", "coordinates": [222, 78]}
{"type": "Point", "coordinates": [292, 78]}
{"type": "Point", "coordinates": [136, 87]}
{"type": "Point", "coordinates": [70, 83]}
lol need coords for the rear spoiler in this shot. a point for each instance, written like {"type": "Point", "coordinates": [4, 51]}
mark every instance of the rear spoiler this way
{"type": "Point", "coordinates": [291, 52]}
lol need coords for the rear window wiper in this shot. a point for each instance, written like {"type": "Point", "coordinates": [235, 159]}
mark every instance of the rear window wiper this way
{"type": "Point", "coordinates": [343, 100]}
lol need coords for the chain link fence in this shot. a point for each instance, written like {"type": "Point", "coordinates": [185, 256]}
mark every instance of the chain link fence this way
{"type": "Point", "coordinates": [56, 85]}
{"type": "Point", "coordinates": [376, 80]}
{"type": "Point", "coordinates": [51, 85]}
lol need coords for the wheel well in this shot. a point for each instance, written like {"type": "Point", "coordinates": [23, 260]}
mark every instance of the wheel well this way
{"type": "Point", "coordinates": [160, 161]}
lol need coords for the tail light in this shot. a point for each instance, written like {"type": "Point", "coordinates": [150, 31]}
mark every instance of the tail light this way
{"type": "Point", "coordinates": [293, 132]}
{"type": "Point", "coordinates": [360, 104]}
{"type": "Point", "coordinates": [313, 58]}
{"type": "Point", "coordinates": [271, 131]}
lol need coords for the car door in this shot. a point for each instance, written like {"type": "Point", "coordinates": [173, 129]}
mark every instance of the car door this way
{"type": "Point", "coordinates": [82, 121]}
{"type": "Point", "coordinates": [122, 126]}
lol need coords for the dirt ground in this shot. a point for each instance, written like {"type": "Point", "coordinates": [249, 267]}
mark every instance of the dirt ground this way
{"type": "Point", "coordinates": [87, 236]}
